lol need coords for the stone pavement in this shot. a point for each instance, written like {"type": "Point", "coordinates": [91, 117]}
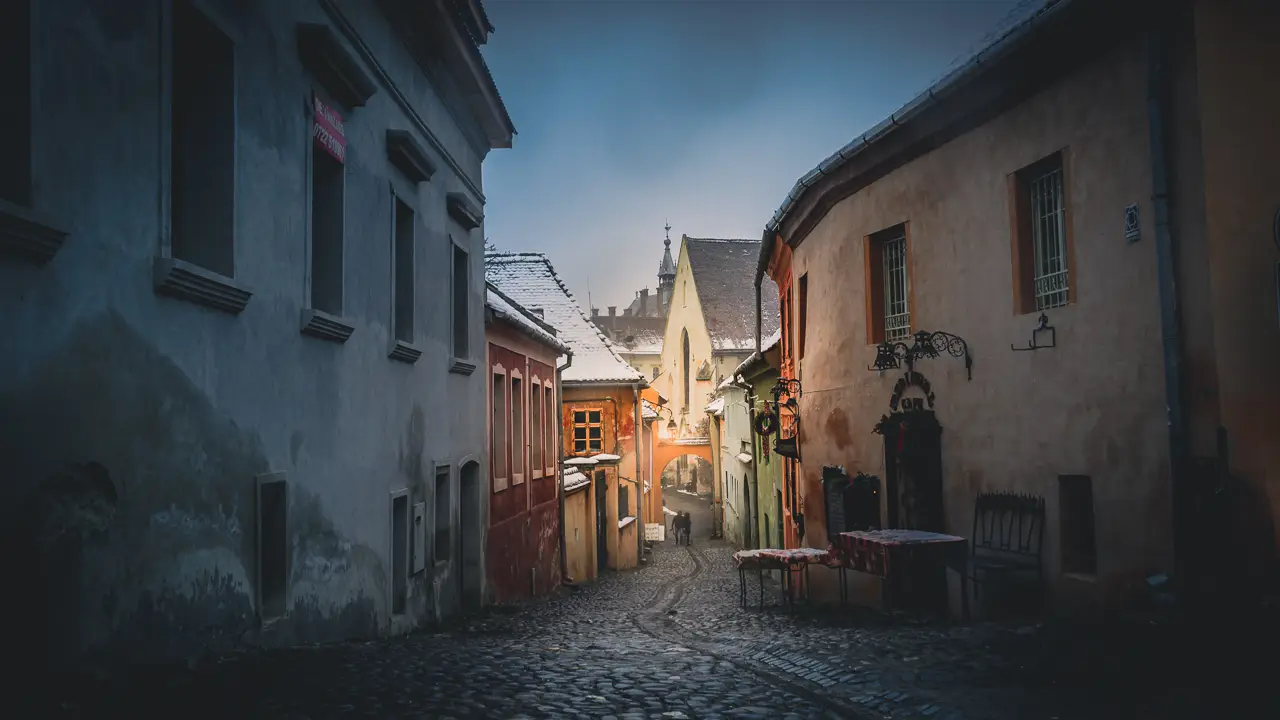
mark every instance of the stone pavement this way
{"type": "Point", "coordinates": [667, 641]}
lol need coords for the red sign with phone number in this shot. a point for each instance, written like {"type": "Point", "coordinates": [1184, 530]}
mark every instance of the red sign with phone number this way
{"type": "Point", "coordinates": [328, 130]}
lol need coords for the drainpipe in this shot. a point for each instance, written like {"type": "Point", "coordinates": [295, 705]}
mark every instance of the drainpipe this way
{"type": "Point", "coordinates": [758, 305]}
{"type": "Point", "coordinates": [564, 561]}
{"type": "Point", "coordinates": [1158, 110]}
{"type": "Point", "coordinates": [639, 430]}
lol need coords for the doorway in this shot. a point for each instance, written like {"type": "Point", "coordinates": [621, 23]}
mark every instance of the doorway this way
{"type": "Point", "coordinates": [602, 521]}
{"type": "Point", "coordinates": [913, 488]}
{"type": "Point", "coordinates": [470, 557]}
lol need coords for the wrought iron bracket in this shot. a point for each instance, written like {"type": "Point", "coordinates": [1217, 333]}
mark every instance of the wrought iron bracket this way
{"type": "Point", "coordinates": [1042, 326]}
{"type": "Point", "coordinates": [893, 355]}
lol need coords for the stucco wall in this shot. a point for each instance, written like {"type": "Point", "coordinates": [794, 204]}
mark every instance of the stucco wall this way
{"type": "Point", "coordinates": [1239, 94]}
{"type": "Point", "coordinates": [735, 429]}
{"type": "Point", "coordinates": [579, 538]}
{"type": "Point", "coordinates": [1093, 405]}
{"type": "Point", "coordinates": [184, 405]}
{"type": "Point", "coordinates": [685, 314]}
{"type": "Point", "coordinates": [523, 548]}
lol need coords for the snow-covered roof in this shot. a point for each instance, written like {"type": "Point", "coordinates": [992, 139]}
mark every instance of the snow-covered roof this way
{"type": "Point", "coordinates": [575, 480]}
{"type": "Point", "coordinates": [530, 280]}
{"type": "Point", "coordinates": [581, 461]}
{"type": "Point", "coordinates": [766, 345]}
{"type": "Point", "coordinates": [646, 410]}
{"type": "Point", "coordinates": [715, 407]}
{"type": "Point", "coordinates": [605, 457]}
{"type": "Point", "coordinates": [511, 312]}
{"type": "Point", "coordinates": [744, 458]}
{"type": "Point", "coordinates": [722, 273]}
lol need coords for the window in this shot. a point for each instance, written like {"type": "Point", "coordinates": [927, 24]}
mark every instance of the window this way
{"type": "Point", "coordinates": [888, 286]}
{"type": "Point", "coordinates": [273, 545]}
{"type": "Point", "coordinates": [624, 501]}
{"type": "Point", "coordinates": [684, 294]}
{"type": "Point", "coordinates": [587, 432]}
{"type": "Point", "coordinates": [656, 371]}
{"type": "Point", "coordinates": [444, 515]}
{"type": "Point", "coordinates": [553, 424]}
{"type": "Point", "coordinates": [803, 310]}
{"type": "Point", "coordinates": [498, 443]}
{"type": "Point", "coordinates": [1041, 238]}
{"type": "Point", "coordinates": [536, 429]}
{"type": "Point", "coordinates": [399, 551]}
{"type": "Point", "coordinates": [203, 143]}
{"type": "Point", "coordinates": [784, 305]}
{"type": "Point", "coordinates": [403, 280]}
{"type": "Point", "coordinates": [686, 374]}
{"type": "Point", "coordinates": [1076, 521]}
{"type": "Point", "coordinates": [328, 180]}
{"type": "Point", "coordinates": [517, 429]}
{"type": "Point", "coordinates": [461, 294]}
{"type": "Point", "coordinates": [15, 122]}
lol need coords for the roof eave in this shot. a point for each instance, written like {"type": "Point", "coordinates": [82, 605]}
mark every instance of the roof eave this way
{"type": "Point", "coordinates": [921, 105]}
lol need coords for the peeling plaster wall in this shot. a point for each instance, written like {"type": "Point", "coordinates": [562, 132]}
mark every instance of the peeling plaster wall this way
{"type": "Point", "coordinates": [184, 405]}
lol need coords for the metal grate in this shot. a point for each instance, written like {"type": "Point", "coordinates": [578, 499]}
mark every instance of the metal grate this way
{"type": "Point", "coordinates": [897, 316]}
{"type": "Point", "coordinates": [1049, 240]}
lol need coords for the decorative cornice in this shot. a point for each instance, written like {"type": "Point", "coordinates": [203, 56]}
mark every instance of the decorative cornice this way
{"type": "Point", "coordinates": [344, 25]}
{"type": "Point", "coordinates": [404, 352]}
{"type": "Point", "coordinates": [462, 367]}
{"type": "Point", "coordinates": [335, 68]}
{"type": "Point", "coordinates": [411, 158]}
{"type": "Point", "coordinates": [320, 324]}
{"type": "Point", "coordinates": [25, 235]}
{"type": "Point", "coordinates": [461, 210]}
{"type": "Point", "coordinates": [185, 281]}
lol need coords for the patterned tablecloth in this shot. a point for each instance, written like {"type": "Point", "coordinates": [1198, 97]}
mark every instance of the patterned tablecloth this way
{"type": "Point", "coordinates": [869, 551]}
{"type": "Point", "coordinates": [778, 558]}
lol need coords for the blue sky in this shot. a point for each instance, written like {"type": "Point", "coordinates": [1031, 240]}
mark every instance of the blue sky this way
{"type": "Point", "coordinates": [703, 113]}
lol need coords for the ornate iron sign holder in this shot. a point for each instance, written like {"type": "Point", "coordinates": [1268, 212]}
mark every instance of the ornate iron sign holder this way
{"type": "Point", "coordinates": [893, 355]}
{"type": "Point", "coordinates": [1042, 326]}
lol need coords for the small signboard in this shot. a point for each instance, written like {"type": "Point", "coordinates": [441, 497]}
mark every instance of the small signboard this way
{"type": "Point", "coordinates": [328, 130]}
{"type": "Point", "coordinates": [655, 532]}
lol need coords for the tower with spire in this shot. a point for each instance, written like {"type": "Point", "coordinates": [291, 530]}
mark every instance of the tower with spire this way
{"type": "Point", "coordinates": [666, 274]}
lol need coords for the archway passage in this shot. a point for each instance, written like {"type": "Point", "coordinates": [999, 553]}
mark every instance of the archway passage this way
{"type": "Point", "coordinates": [686, 458]}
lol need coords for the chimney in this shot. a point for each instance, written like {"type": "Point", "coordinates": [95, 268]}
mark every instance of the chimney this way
{"type": "Point", "coordinates": [536, 311]}
{"type": "Point", "coordinates": [595, 313]}
{"type": "Point", "coordinates": [644, 302]}
{"type": "Point", "coordinates": [626, 312]}
{"type": "Point", "coordinates": [613, 311]}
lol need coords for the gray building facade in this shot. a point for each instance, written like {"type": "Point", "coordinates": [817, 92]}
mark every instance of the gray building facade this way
{"type": "Point", "coordinates": [242, 290]}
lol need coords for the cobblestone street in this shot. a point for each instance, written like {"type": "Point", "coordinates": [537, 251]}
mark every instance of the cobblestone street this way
{"type": "Point", "coordinates": [667, 641]}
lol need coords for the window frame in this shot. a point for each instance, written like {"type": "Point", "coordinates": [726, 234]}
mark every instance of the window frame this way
{"type": "Point", "coordinates": [462, 362]}
{"type": "Point", "coordinates": [551, 416]}
{"type": "Point", "coordinates": [587, 451]}
{"type": "Point", "coordinates": [1023, 250]}
{"type": "Point", "coordinates": [802, 312]}
{"type": "Point", "coordinates": [499, 481]}
{"type": "Point", "coordinates": [174, 276]}
{"type": "Point", "coordinates": [514, 413]}
{"type": "Point", "coordinates": [876, 294]}
{"type": "Point", "coordinates": [444, 470]}
{"type": "Point", "coordinates": [537, 430]}
{"type": "Point", "coordinates": [309, 272]}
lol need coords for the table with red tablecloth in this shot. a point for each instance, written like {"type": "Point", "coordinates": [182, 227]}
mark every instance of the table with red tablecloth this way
{"type": "Point", "coordinates": [880, 552]}
{"type": "Point", "coordinates": [787, 560]}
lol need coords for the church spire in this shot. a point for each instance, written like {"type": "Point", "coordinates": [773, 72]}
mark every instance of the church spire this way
{"type": "Point", "coordinates": [666, 272]}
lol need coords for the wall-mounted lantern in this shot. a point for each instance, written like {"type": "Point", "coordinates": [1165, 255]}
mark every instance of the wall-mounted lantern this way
{"type": "Point", "coordinates": [893, 355]}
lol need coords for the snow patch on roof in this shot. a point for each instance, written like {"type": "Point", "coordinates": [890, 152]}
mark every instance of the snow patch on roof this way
{"type": "Point", "coordinates": [716, 406]}
{"type": "Point", "coordinates": [722, 275]}
{"type": "Point", "coordinates": [530, 280]}
{"type": "Point", "coordinates": [512, 312]}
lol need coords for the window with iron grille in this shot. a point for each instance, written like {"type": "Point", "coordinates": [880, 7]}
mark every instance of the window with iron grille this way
{"type": "Point", "coordinates": [1041, 236]}
{"type": "Point", "coordinates": [888, 286]}
{"type": "Point", "coordinates": [588, 431]}
{"type": "Point", "coordinates": [1049, 239]}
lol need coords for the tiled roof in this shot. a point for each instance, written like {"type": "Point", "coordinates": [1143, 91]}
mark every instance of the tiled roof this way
{"type": "Point", "coordinates": [641, 341]}
{"type": "Point", "coordinates": [529, 279]}
{"type": "Point", "coordinates": [510, 311]}
{"type": "Point", "coordinates": [722, 274]}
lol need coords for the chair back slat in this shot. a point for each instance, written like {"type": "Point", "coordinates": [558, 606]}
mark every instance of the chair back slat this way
{"type": "Point", "coordinates": [1008, 522]}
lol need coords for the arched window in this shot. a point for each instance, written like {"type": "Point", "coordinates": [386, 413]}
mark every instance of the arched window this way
{"type": "Point", "coordinates": [688, 382]}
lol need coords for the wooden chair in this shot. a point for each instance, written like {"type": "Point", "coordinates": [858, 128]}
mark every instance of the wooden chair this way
{"type": "Point", "coordinates": [1008, 538]}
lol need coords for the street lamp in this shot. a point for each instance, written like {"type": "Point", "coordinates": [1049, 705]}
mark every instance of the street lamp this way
{"type": "Point", "coordinates": [671, 417]}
